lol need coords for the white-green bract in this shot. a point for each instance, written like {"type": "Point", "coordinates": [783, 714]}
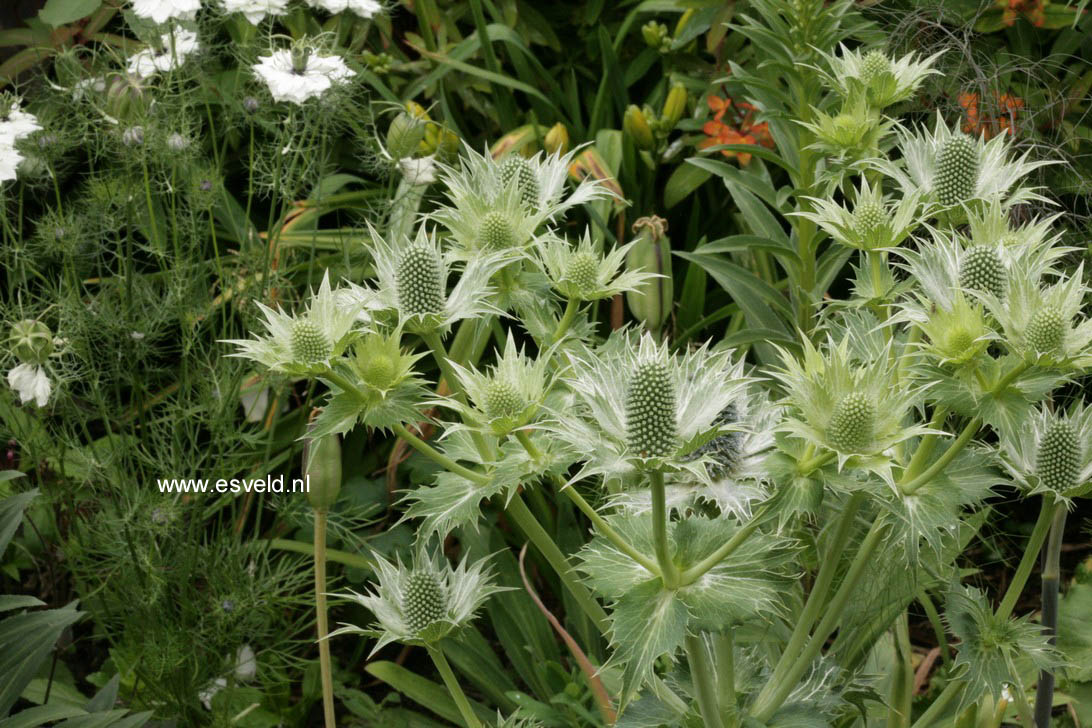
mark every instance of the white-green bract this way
{"type": "Point", "coordinates": [422, 602]}
{"type": "Point", "coordinates": [885, 81]}
{"type": "Point", "coordinates": [1051, 452]}
{"type": "Point", "coordinates": [593, 421]}
{"type": "Point", "coordinates": [583, 273]}
{"type": "Point", "coordinates": [875, 222]}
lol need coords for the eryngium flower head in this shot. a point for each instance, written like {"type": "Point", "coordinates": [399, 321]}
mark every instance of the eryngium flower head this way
{"type": "Point", "coordinates": [424, 602]}
{"type": "Point", "coordinates": [981, 269]}
{"type": "Point", "coordinates": [950, 168]}
{"type": "Point", "coordinates": [305, 343]}
{"type": "Point", "coordinates": [413, 282]}
{"type": "Point", "coordinates": [1051, 452]}
{"type": "Point", "coordinates": [884, 81]}
{"type": "Point", "coordinates": [583, 273]}
{"type": "Point", "coordinates": [634, 405]}
{"type": "Point", "coordinates": [515, 171]}
{"type": "Point", "coordinates": [874, 223]}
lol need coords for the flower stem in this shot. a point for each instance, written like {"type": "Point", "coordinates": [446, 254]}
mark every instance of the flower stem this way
{"type": "Point", "coordinates": [701, 673]}
{"type": "Point", "coordinates": [439, 353]}
{"type": "Point", "coordinates": [724, 646]}
{"type": "Point", "coordinates": [322, 620]}
{"type": "Point", "coordinates": [438, 457]}
{"type": "Point", "coordinates": [1027, 561]}
{"type": "Point", "coordinates": [669, 572]}
{"type": "Point", "coordinates": [567, 318]}
{"type": "Point", "coordinates": [1051, 576]}
{"type": "Point", "coordinates": [453, 688]}
{"type": "Point", "coordinates": [930, 716]}
{"type": "Point", "coordinates": [971, 429]}
{"type": "Point", "coordinates": [695, 572]}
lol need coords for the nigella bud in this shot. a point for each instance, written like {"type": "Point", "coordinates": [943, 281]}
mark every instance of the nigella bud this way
{"type": "Point", "coordinates": [517, 170]}
{"type": "Point", "coordinates": [133, 136]}
{"type": "Point", "coordinates": [852, 424]}
{"type": "Point", "coordinates": [177, 143]}
{"type": "Point", "coordinates": [495, 232]}
{"type": "Point", "coordinates": [322, 466]}
{"type": "Point", "coordinates": [419, 282]}
{"type": "Point", "coordinates": [956, 170]}
{"type": "Point", "coordinates": [1047, 329]}
{"type": "Point", "coordinates": [502, 399]}
{"type": "Point", "coordinates": [1058, 461]}
{"type": "Point", "coordinates": [583, 272]}
{"type": "Point", "coordinates": [310, 344]}
{"type": "Point", "coordinates": [650, 411]}
{"type": "Point", "coordinates": [982, 270]}
{"type": "Point", "coordinates": [31, 341]}
{"type": "Point", "coordinates": [424, 604]}
{"type": "Point", "coordinates": [250, 104]}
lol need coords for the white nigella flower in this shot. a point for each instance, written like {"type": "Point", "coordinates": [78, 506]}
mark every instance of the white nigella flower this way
{"type": "Point", "coordinates": [1051, 452]}
{"type": "Point", "coordinates": [583, 273]}
{"type": "Point", "coordinates": [16, 124]}
{"type": "Point", "coordinates": [421, 604]}
{"type": "Point", "coordinates": [874, 223]}
{"type": "Point", "coordinates": [255, 11]}
{"type": "Point", "coordinates": [176, 46]}
{"type": "Point", "coordinates": [633, 405]}
{"type": "Point", "coordinates": [302, 344]}
{"type": "Point", "coordinates": [9, 160]}
{"type": "Point", "coordinates": [413, 277]}
{"type": "Point", "coordinates": [30, 382]}
{"type": "Point", "coordinates": [951, 168]}
{"type": "Point", "coordinates": [885, 81]}
{"type": "Point", "coordinates": [246, 664]}
{"type": "Point", "coordinates": [160, 11]}
{"type": "Point", "coordinates": [298, 74]}
{"type": "Point", "coordinates": [363, 8]}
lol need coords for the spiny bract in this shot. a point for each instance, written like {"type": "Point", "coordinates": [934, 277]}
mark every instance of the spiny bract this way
{"type": "Point", "coordinates": [419, 281]}
{"type": "Point", "coordinates": [650, 411]}
{"type": "Point", "coordinates": [956, 170]}
{"type": "Point", "coordinates": [309, 343]}
{"type": "Point", "coordinates": [424, 602]}
{"type": "Point", "coordinates": [852, 423]}
{"type": "Point", "coordinates": [1058, 461]}
{"type": "Point", "coordinates": [518, 170]}
{"type": "Point", "coordinates": [982, 270]}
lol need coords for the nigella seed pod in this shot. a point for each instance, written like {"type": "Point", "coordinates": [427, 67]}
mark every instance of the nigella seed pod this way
{"type": "Point", "coordinates": [852, 423]}
{"type": "Point", "coordinates": [310, 344]}
{"type": "Point", "coordinates": [419, 283]}
{"type": "Point", "coordinates": [956, 170]}
{"type": "Point", "coordinates": [1058, 461]}
{"type": "Point", "coordinates": [1047, 329]}
{"type": "Point", "coordinates": [133, 136]}
{"type": "Point", "coordinates": [982, 270]}
{"type": "Point", "coordinates": [495, 232]}
{"type": "Point", "coordinates": [502, 399]}
{"type": "Point", "coordinates": [650, 411]}
{"type": "Point", "coordinates": [31, 341]}
{"type": "Point", "coordinates": [517, 170]}
{"type": "Point", "coordinates": [424, 603]}
{"type": "Point", "coordinates": [583, 272]}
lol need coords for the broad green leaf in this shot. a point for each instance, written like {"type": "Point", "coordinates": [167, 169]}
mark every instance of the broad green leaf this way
{"type": "Point", "coordinates": [647, 622]}
{"type": "Point", "coordinates": [425, 692]}
{"type": "Point", "coordinates": [26, 641]}
{"type": "Point", "coordinates": [40, 715]}
{"type": "Point", "coordinates": [18, 601]}
{"type": "Point", "coordinates": [1075, 631]}
{"type": "Point", "coordinates": [11, 515]}
{"type": "Point", "coordinates": [682, 182]}
{"type": "Point", "coordinates": [62, 12]}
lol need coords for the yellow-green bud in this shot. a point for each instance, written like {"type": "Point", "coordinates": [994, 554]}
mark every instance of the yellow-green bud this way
{"type": "Point", "coordinates": [378, 370]}
{"type": "Point", "coordinates": [674, 106]}
{"type": "Point", "coordinates": [635, 125]}
{"type": "Point", "coordinates": [502, 399]}
{"type": "Point", "coordinates": [322, 466]}
{"type": "Point", "coordinates": [656, 36]}
{"type": "Point", "coordinates": [31, 341]}
{"type": "Point", "coordinates": [650, 303]}
{"type": "Point", "coordinates": [556, 140]}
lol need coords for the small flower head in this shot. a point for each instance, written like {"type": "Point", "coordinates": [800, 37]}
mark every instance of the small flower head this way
{"type": "Point", "coordinates": [160, 11]}
{"type": "Point", "coordinates": [1051, 452]}
{"type": "Point", "coordinates": [422, 603]}
{"type": "Point", "coordinates": [509, 395]}
{"type": "Point", "coordinates": [874, 223]}
{"type": "Point", "coordinates": [255, 11]}
{"type": "Point", "coordinates": [302, 344]}
{"type": "Point", "coordinates": [174, 47]}
{"type": "Point", "coordinates": [516, 171]}
{"type": "Point", "coordinates": [583, 273]}
{"type": "Point", "coordinates": [30, 382]}
{"type": "Point", "coordinates": [882, 80]}
{"type": "Point", "coordinates": [956, 335]}
{"type": "Point", "coordinates": [852, 134]}
{"type": "Point", "coordinates": [299, 74]}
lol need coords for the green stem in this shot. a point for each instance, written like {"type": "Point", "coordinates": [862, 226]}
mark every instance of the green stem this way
{"type": "Point", "coordinates": [567, 318]}
{"type": "Point", "coordinates": [438, 457]}
{"type": "Point", "coordinates": [453, 688]}
{"type": "Point", "coordinates": [723, 644]}
{"type": "Point", "coordinates": [1051, 576]}
{"type": "Point", "coordinates": [341, 557]}
{"type": "Point", "coordinates": [902, 682]}
{"type": "Point", "coordinates": [908, 488]}
{"type": "Point", "coordinates": [939, 705]}
{"type": "Point", "coordinates": [1027, 561]}
{"type": "Point", "coordinates": [701, 674]}
{"type": "Point", "coordinates": [669, 572]}
{"type": "Point", "coordinates": [695, 572]}
{"type": "Point", "coordinates": [809, 465]}
{"type": "Point", "coordinates": [925, 448]}
{"type": "Point", "coordinates": [322, 620]}
{"type": "Point", "coordinates": [938, 626]}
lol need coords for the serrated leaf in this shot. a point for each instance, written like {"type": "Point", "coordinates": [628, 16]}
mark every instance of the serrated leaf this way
{"type": "Point", "coordinates": [452, 502]}
{"type": "Point", "coordinates": [647, 622]}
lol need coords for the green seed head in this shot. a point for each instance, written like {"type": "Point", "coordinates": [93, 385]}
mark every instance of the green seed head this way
{"type": "Point", "coordinates": [583, 272]}
{"type": "Point", "coordinates": [419, 282]}
{"type": "Point", "coordinates": [957, 170]}
{"type": "Point", "coordinates": [495, 232]}
{"type": "Point", "coordinates": [873, 64]}
{"type": "Point", "coordinates": [516, 169]}
{"type": "Point", "coordinates": [424, 602]}
{"type": "Point", "coordinates": [379, 370]}
{"type": "Point", "coordinates": [1058, 461]}
{"type": "Point", "coordinates": [1047, 329]}
{"type": "Point", "coordinates": [650, 411]}
{"type": "Point", "coordinates": [982, 270]}
{"type": "Point", "coordinates": [852, 424]}
{"type": "Point", "coordinates": [309, 343]}
{"type": "Point", "coordinates": [869, 217]}
{"type": "Point", "coordinates": [502, 399]}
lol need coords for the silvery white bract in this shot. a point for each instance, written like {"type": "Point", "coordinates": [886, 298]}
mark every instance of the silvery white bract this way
{"type": "Point", "coordinates": [363, 8]}
{"type": "Point", "coordinates": [160, 11]}
{"type": "Point", "coordinates": [1051, 452]}
{"type": "Point", "coordinates": [31, 383]}
{"type": "Point", "coordinates": [422, 603]}
{"type": "Point", "coordinates": [255, 11]}
{"type": "Point", "coordinates": [593, 420]}
{"type": "Point", "coordinates": [304, 343]}
{"type": "Point", "coordinates": [177, 45]}
{"type": "Point", "coordinates": [874, 223]}
{"type": "Point", "coordinates": [583, 273]}
{"type": "Point", "coordinates": [318, 74]}
{"type": "Point", "coordinates": [885, 81]}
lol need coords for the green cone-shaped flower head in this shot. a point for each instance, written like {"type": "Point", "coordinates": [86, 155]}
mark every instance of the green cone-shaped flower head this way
{"type": "Point", "coordinates": [650, 410]}
{"type": "Point", "coordinates": [424, 604]}
{"type": "Point", "coordinates": [1047, 330]}
{"type": "Point", "coordinates": [869, 217]}
{"type": "Point", "coordinates": [502, 399]}
{"type": "Point", "coordinates": [853, 423]}
{"type": "Point", "coordinates": [582, 271]}
{"type": "Point", "coordinates": [981, 269]}
{"type": "Point", "coordinates": [378, 369]}
{"type": "Point", "coordinates": [496, 231]}
{"type": "Point", "coordinates": [420, 283]}
{"type": "Point", "coordinates": [309, 343]}
{"type": "Point", "coordinates": [1058, 461]}
{"type": "Point", "coordinates": [507, 396]}
{"type": "Point", "coordinates": [518, 171]}
{"type": "Point", "coordinates": [873, 64]}
{"type": "Point", "coordinates": [956, 170]}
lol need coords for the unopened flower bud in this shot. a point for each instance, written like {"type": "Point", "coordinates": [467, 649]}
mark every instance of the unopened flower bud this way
{"type": "Point", "coordinates": [133, 136]}
{"type": "Point", "coordinates": [177, 143]}
{"type": "Point", "coordinates": [322, 466]}
{"type": "Point", "coordinates": [674, 106]}
{"type": "Point", "coordinates": [502, 400]}
{"type": "Point", "coordinates": [650, 302]}
{"type": "Point", "coordinates": [31, 341]}
{"type": "Point", "coordinates": [655, 35]}
{"type": "Point", "coordinates": [251, 104]}
{"type": "Point", "coordinates": [635, 125]}
{"type": "Point", "coordinates": [852, 423]}
{"type": "Point", "coordinates": [583, 272]}
{"type": "Point", "coordinates": [556, 140]}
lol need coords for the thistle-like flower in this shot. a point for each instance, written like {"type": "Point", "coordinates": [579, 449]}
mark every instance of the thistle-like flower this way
{"type": "Point", "coordinates": [413, 279]}
{"type": "Point", "coordinates": [852, 134]}
{"type": "Point", "coordinates": [635, 406]}
{"type": "Point", "coordinates": [1051, 452]}
{"type": "Point", "coordinates": [874, 223]}
{"type": "Point", "coordinates": [422, 603]}
{"type": "Point", "coordinates": [951, 169]}
{"type": "Point", "coordinates": [854, 409]}
{"type": "Point", "coordinates": [884, 81]}
{"type": "Point", "coordinates": [583, 273]}
{"type": "Point", "coordinates": [302, 344]}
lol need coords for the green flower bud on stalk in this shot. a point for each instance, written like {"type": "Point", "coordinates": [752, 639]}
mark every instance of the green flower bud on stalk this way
{"type": "Point", "coordinates": [650, 302]}
{"type": "Point", "coordinates": [378, 370]}
{"type": "Point", "coordinates": [425, 606]}
{"type": "Point", "coordinates": [517, 170]}
{"type": "Point", "coordinates": [873, 64]}
{"type": "Point", "coordinates": [656, 36]}
{"type": "Point", "coordinates": [1047, 330]}
{"type": "Point", "coordinates": [322, 466]}
{"type": "Point", "coordinates": [650, 411]}
{"type": "Point", "coordinates": [496, 232]}
{"type": "Point", "coordinates": [674, 106]}
{"type": "Point", "coordinates": [852, 423]}
{"type": "Point", "coordinates": [31, 341]}
{"type": "Point", "coordinates": [1058, 461]}
{"type": "Point", "coordinates": [404, 135]}
{"type": "Point", "coordinates": [636, 127]}
{"type": "Point", "coordinates": [982, 270]}
{"type": "Point", "coordinates": [419, 282]}
{"type": "Point", "coordinates": [956, 170]}
{"type": "Point", "coordinates": [309, 344]}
